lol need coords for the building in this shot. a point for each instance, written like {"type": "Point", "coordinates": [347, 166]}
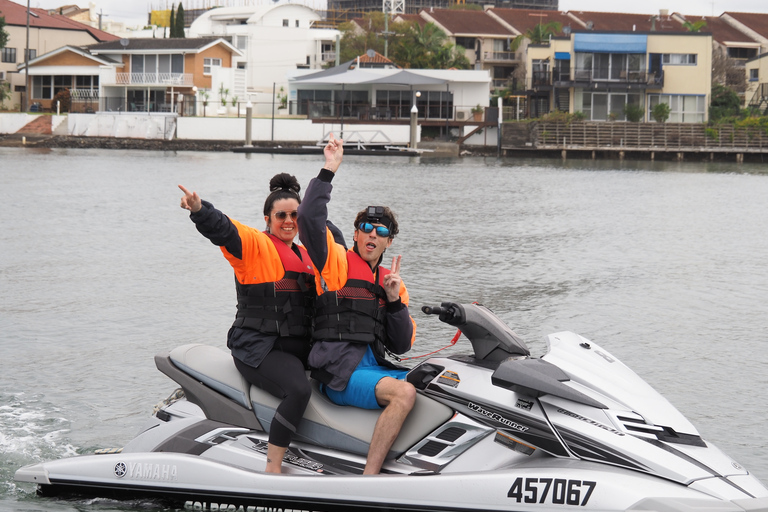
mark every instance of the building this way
{"type": "Point", "coordinates": [274, 40]}
{"type": "Point", "coordinates": [140, 75]}
{"type": "Point", "coordinates": [47, 32]}
{"type": "Point", "coordinates": [601, 74]}
{"type": "Point", "coordinates": [365, 89]}
{"type": "Point", "coordinates": [757, 83]}
{"type": "Point", "coordinates": [356, 7]}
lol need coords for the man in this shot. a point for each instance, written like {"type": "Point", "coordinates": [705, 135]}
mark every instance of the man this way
{"type": "Point", "coordinates": [361, 311]}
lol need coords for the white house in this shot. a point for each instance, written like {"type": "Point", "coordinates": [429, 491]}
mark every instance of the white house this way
{"type": "Point", "coordinates": [274, 39]}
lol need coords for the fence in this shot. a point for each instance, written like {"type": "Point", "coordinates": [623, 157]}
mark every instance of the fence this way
{"type": "Point", "coordinates": [648, 136]}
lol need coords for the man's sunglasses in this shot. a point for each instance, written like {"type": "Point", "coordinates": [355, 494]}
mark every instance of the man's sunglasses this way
{"type": "Point", "coordinates": [367, 227]}
{"type": "Point", "coordinates": [281, 215]}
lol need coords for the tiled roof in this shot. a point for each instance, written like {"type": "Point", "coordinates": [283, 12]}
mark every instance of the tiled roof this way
{"type": "Point", "coordinates": [376, 59]}
{"type": "Point", "coordinates": [460, 22]}
{"type": "Point", "coordinates": [525, 19]}
{"type": "Point", "coordinates": [155, 44]}
{"type": "Point", "coordinates": [16, 15]}
{"type": "Point", "coordinates": [412, 17]}
{"type": "Point", "coordinates": [625, 22]}
{"type": "Point", "coordinates": [721, 31]}
{"type": "Point", "coordinates": [755, 20]}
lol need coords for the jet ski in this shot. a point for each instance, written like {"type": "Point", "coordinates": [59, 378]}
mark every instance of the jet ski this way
{"type": "Point", "coordinates": [492, 430]}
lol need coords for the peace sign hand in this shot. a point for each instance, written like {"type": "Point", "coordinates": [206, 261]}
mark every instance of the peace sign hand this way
{"type": "Point", "coordinates": [191, 201]}
{"type": "Point", "coordinates": [392, 281]}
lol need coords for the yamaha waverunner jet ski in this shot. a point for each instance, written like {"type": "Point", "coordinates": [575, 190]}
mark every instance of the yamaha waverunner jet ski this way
{"type": "Point", "coordinates": [492, 430]}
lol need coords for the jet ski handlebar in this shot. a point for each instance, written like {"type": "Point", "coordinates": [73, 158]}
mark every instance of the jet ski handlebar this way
{"type": "Point", "coordinates": [491, 338]}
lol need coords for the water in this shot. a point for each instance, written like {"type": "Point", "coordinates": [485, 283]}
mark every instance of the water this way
{"type": "Point", "coordinates": [663, 264]}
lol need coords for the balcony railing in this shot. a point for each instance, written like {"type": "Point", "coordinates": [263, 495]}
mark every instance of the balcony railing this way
{"type": "Point", "coordinates": [623, 76]}
{"type": "Point", "coordinates": [328, 56]}
{"type": "Point", "coordinates": [499, 56]}
{"type": "Point", "coordinates": [167, 79]}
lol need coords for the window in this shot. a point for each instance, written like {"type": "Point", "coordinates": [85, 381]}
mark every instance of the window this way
{"type": "Point", "coordinates": [208, 64]}
{"type": "Point", "coordinates": [32, 53]}
{"type": "Point", "coordinates": [602, 106]}
{"type": "Point", "coordinates": [468, 43]}
{"type": "Point", "coordinates": [87, 82]}
{"type": "Point", "coordinates": [241, 42]}
{"type": "Point", "coordinates": [285, 23]}
{"type": "Point", "coordinates": [297, 23]}
{"type": "Point", "coordinates": [742, 53]}
{"type": "Point", "coordinates": [61, 83]}
{"type": "Point", "coordinates": [42, 87]}
{"type": "Point", "coordinates": [9, 55]}
{"type": "Point", "coordinates": [753, 75]}
{"type": "Point", "coordinates": [681, 59]}
{"type": "Point", "coordinates": [682, 108]}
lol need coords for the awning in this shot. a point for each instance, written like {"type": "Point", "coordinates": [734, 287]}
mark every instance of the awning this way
{"type": "Point", "coordinates": [562, 56]}
{"type": "Point", "coordinates": [610, 43]}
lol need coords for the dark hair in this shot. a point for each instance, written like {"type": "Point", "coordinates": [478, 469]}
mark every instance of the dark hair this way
{"type": "Point", "coordinates": [281, 186]}
{"type": "Point", "coordinates": [393, 229]}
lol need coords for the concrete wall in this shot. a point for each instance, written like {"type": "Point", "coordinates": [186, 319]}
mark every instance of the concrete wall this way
{"type": "Point", "coordinates": [159, 126]}
{"type": "Point", "coordinates": [299, 130]}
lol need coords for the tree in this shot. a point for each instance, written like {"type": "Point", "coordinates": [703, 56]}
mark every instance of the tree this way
{"type": "Point", "coordinates": [538, 34]}
{"type": "Point", "coordinates": [410, 45]}
{"type": "Point", "coordinates": [180, 21]}
{"type": "Point", "coordinates": [172, 24]}
{"type": "Point", "coordinates": [696, 26]}
{"type": "Point", "coordinates": [660, 112]}
{"type": "Point", "coordinates": [724, 103]}
{"type": "Point", "coordinates": [3, 34]}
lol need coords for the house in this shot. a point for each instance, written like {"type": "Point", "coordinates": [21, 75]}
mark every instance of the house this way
{"type": "Point", "coordinates": [273, 40]}
{"type": "Point", "coordinates": [486, 39]}
{"type": "Point", "coordinates": [145, 75]}
{"type": "Point", "coordinates": [602, 73]}
{"type": "Point", "coordinates": [757, 85]}
{"type": "Point", "coordinates": [47, 32]}
{"type": "Point", "coordinates": [358, 92]}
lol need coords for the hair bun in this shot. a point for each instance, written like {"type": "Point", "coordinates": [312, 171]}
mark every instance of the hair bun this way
{"type": "Point", "coordinates": [284, 181]}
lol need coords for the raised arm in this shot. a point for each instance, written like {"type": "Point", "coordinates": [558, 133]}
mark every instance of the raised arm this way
{"type": "Point", "coordinates": [212, 223]}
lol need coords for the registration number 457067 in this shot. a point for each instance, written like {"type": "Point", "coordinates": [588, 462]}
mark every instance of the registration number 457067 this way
{"type": "Point", "coordinates": [557, 491]}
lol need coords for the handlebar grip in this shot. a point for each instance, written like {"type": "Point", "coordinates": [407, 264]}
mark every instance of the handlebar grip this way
{"type": "Point", "coordinates": [432, 310]}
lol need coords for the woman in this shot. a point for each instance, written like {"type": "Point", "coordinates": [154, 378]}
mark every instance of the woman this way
{"type": "Point", "coordinates": [274, 279]}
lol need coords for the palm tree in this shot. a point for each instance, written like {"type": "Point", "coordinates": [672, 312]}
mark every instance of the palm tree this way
{"type": "Point", "coordinates": [696, 26]}
{"type": "Point", "coordinates": [538, 34]}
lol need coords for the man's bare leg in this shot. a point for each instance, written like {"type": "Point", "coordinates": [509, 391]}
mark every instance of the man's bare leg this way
{"type": "Point", "coordinates": [398, 397]}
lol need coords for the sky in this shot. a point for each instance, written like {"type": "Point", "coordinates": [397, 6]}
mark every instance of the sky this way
{"type": "Point", "coordinates": [134, 12]}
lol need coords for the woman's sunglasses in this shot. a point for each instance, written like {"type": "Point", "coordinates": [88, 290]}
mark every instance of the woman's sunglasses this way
{"type": "Point", "coordinates": [367, 227]}
{"type": "Point", "coordinates": [281, 215]}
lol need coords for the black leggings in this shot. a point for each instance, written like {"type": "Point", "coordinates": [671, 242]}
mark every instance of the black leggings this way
{"type": "Point", "coordinates": [281, 374]}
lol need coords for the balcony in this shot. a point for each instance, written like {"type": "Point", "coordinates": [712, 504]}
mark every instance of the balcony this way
{"type": "Point", "coordinates": [156, 79]}
{"type": "Point", "coordinates": [499, 56]}
{"type": "Point", "coordinates": [328, 57]}
{"type": "Point", "coordinates": [617, 77]}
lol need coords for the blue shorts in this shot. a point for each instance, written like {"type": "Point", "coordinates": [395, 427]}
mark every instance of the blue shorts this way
{"type": "Point", "coordinates": [361, 388]}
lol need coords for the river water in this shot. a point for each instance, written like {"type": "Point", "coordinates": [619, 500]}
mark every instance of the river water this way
{"type": "Point", "coordinates": [663, 264]}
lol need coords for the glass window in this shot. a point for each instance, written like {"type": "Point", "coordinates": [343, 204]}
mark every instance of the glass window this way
{"type": "Point", "coordinates": [9, 55]}
{"type": "Point", "coordinates": [241, 42]}
{"type": "Point", "coordinates": [679, 59]}
{"type": "Point", "coordinates": [210, 63]}
{"type": "Point", "coordinates": [137, 64]}
{"type": "Point", "coordinates": [177, 63]}
{"type": "Point", "coordinates": [753, 75]}
{"type": "Point", "coordinates": [164, 63]}
{"type": "Point", "coordinates": [285, 23]}
{"type": "Point", "coordinates": [42, 87]}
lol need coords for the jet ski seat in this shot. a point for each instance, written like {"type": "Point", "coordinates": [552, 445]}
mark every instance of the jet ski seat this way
{"type": "Point", "coordinates": [325, 424]}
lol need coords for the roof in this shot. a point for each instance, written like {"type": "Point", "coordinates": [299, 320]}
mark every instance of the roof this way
{"type": "Point", "coordinates": [411, 18]}
{"type": "Point", "coordinates": [754, 20]}
{"type": "Point", "coordinates": [148, 44]}
{"type": "Point", "coordinates": [523, 20]}
{"type": "Point", "coordinates": [374, 60]}
{"type": "Point", "coordinates": [624, 22]}
{"type": "Point", "coordinates": [465, 23]}
{"type": "Point", "coordinates": [721, 31]}
{"type": "Point", "coordinates": [16, 15]}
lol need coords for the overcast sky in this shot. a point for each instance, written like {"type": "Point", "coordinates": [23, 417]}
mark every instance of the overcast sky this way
{"type": "Point", "coordinates": [134, 12]}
